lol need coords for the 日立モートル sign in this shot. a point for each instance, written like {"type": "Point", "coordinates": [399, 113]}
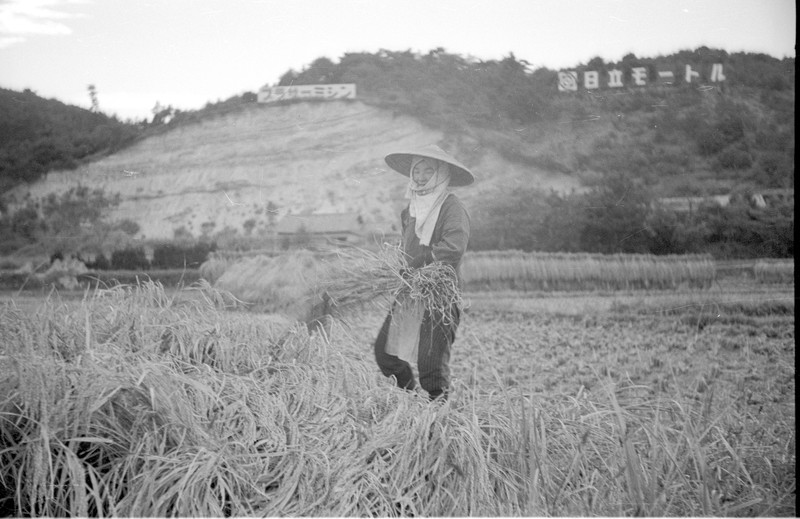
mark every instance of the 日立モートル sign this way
{"type": "Point", "coordinates": [572, 80]}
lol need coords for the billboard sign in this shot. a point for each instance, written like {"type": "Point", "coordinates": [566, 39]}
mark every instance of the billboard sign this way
{"type": "Point", "coordinates": [570, 80]}
{"type": "Point", "coordinates": [274, 94]}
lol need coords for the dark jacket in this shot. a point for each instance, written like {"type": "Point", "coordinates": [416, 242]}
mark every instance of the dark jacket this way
{"type": "Point", "coordinates": [449, 239]}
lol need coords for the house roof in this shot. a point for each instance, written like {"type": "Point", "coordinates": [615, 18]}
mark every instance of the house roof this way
{"type": "Point", "coordinates": [327, 223]}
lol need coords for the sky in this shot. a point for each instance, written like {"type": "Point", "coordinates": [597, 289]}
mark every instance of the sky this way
{"type": "Point", "coordinates": [185, 53]}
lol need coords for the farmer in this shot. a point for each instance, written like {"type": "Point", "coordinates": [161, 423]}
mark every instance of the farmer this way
{"type": "Point", "coordinates": [435, 228]}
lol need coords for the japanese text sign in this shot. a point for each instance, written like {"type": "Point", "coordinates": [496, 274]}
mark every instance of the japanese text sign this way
{"type": "Point", "coordinates": [284, 93]}
{"type": "Point", "coordinates": [569, 80]}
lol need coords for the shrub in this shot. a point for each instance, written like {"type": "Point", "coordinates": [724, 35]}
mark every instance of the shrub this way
{"type": "Point", "coordinates": [19, 280]}
{"type": "Point", "coordinates": [709, 141]}
{"type": "Point", "coordinates": [26, 223]}
{"type": "Point", "coordinates": [249, 225]}
{"type": "Point", "coordinates": [10, 242]}
{"type": "Point", "coordinates": [129, 259]}
{"type": "Point", "coordinates": [173, 256]}
{"type": "Point", "coordinates": [182, 234]}
{"type": "Point", "coordinates": [744, 232]}
{"type": "Point", "coordinates": [735, 157]}
{"type": "Point", "coordinates": [774, 169]}
{"type": "Point", "coordinates": [100, 262]}
{"type": "Point", "coordinates": [127, 226]}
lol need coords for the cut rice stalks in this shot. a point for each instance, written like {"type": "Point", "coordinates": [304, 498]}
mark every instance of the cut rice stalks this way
{"type": "Point", "coordinates": [358, 277]}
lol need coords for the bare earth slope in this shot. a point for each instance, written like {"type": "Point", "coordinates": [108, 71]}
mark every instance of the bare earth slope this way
{"type": "Point", "coordinates": [304, 158]}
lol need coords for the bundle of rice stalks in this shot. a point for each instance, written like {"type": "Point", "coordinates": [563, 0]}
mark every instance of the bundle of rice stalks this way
{"type": "Point", "coordinates": [215, 266]}
{"type": "Point", "coordinates": [355, 277]}
{"type": "Point", "coordinates": [435, 287]}
{"type": "Point", "coordinates": [359, 277]}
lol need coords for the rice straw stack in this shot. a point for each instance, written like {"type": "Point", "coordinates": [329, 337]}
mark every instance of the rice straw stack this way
{"type": "Point", "coordinates": [358, 277]}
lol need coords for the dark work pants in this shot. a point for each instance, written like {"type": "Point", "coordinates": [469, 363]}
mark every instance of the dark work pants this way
{"type": "Point", "coordinates": [433, 358]}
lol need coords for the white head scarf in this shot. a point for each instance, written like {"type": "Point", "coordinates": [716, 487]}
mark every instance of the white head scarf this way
{"type": "Point", "coordinates": [426, 201]}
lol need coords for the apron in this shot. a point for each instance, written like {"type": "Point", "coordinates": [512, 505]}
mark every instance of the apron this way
{"type": "Point", "coordinates": [403, 337]}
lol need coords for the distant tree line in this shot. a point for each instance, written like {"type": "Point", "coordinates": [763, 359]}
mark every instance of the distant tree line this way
{"type": "Point", "coordinates": [71, 220]}
{"type": "Point", "coordinates": [448, 88]}
{"type": "Point", "coordinates": [621, 216]}
{"type": "Point", "coordinates": [166, 256]}
{"type": "Point", "coordinates": [74, 224]}
{"type": "Point", "coordinates": [440, 88]}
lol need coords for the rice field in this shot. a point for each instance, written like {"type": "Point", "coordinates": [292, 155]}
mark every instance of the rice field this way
{"type": "Point", "coordinates": [143, 401]}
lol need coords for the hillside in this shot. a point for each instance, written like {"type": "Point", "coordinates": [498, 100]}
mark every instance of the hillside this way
{"type": "Point", "coordinates": [237, 167]}
{"type": "Point", "coordinates": [299, 158]}
{"type": "Point", "coordinates": [689, 137]}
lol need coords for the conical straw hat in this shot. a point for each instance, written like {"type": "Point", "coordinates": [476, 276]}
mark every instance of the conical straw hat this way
{"type": "Point", "coordinates": [401, 162]}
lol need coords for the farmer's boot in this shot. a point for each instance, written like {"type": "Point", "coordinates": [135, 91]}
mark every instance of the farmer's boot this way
{"type": "Point", "coordinates": [438, 395]}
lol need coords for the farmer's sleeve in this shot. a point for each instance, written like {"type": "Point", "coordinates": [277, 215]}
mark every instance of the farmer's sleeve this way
{"type": "Point", "coordinates": [404, 214]}
{"type": "Point", "coordinates": [455, 233]}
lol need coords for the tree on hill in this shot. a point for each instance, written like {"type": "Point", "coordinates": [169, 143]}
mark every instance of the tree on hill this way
{"type": "Point", "coordinates": [38, 135]}
{"type": "Point", "coordinates": [615, 213]}
{"type": "Point", "coordinates": [69, 223]}
{"type": "Point", "coordinates": [78, 207]}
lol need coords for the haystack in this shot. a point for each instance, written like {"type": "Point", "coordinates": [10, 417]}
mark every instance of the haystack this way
{"type": "Point", "coordinates": [282, 284]}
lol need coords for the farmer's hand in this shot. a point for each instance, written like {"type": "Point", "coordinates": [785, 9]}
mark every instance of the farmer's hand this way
{"type": "Point", "coordinates": [421, 260]}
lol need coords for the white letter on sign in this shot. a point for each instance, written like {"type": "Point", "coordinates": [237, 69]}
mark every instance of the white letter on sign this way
{"type": "Point", "coordinates": [639, 75]}
{"type": "Point", "coordinates": [615, 78]}
{"type": "Point", "coordinates": [568, 81]}
{"type": "Point", "coordinates": [716, 72]}
{"type": "Point", "coordinates": [591, 80]}
{"type": "Point", "coordinates": [690, 74]}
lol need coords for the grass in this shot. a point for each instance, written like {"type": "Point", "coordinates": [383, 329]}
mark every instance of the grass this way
{"type": "Point", "coordinates": [134, 401]}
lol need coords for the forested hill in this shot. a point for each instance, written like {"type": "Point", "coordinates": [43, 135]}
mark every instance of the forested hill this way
{"type": "Point", "coordinates": [681, 139]}
{"type": "Point", "coordinates": [38, 135]}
